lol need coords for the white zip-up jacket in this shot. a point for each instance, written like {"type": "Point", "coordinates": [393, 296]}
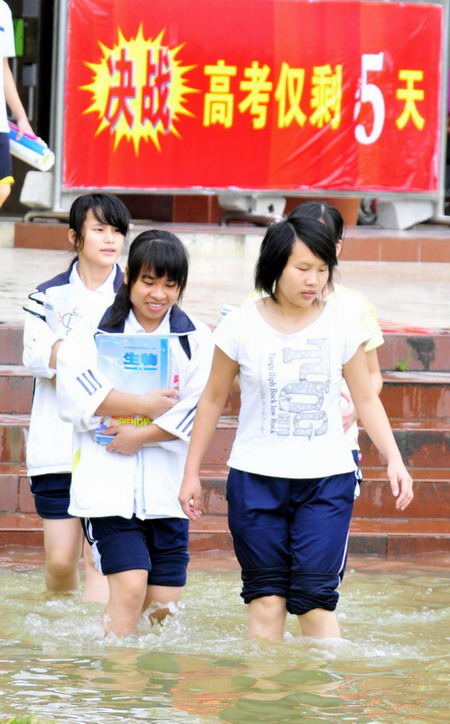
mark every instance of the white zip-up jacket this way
{"type": "Point", "coordinates": [53, 310]}
{"type": "Point", "coordinates": [145, 484]}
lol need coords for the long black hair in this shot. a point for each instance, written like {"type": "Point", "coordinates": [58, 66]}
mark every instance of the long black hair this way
{"type": "Point", "coordinates": [277, 245]}
{"type": "Point", "coordinates": [157, 252]}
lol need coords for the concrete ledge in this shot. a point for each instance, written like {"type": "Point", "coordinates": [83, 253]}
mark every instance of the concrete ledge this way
{"type": "Point", "coordinates": [425, 243]}
{"type": "Point", "coordinates": [41, 236]}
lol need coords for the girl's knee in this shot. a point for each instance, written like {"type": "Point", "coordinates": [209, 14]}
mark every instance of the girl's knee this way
{"type": "Point", "coordinates": [269, 605]}
{"type": "Point", "coordinates": [61, 562]}
{"type": "Point", "coordinates": [129, 588]}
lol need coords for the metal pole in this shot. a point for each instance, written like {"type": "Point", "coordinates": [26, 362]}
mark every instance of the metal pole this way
{"type": "Point", "coordinates": [440, 217]}
{"type": "Point", "coordinates": [57, 103]}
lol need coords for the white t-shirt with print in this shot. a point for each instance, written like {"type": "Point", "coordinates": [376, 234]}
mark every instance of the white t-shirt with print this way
{"type": "Point", "coordinates": [7, 50]}
{"type": "Point", "coordinates": [290, 423]}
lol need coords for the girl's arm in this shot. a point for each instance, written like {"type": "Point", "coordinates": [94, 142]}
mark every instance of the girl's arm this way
{"type": "Point", "coordinates": [153, 404]}
{"type": "Point", "coordinates": [350, 415]}
{"type": "Point", "coordinates": [373, 416]}
{"type": "Point", "coordinates": [40, 343]}
{"type": "Point", "coordinates": [128, 439]}
{"type": "Point", "coordinates": [14, 102]}
{"type": "Point", "coordinates": [210, 407]}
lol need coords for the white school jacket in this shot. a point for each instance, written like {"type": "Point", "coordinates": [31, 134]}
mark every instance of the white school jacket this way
{"type": "Point", "coordinates": [52, 311]}
{"type": "Point", "coordinates": [147, 483]}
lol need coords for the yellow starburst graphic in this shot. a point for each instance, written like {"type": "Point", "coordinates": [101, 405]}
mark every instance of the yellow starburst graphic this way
{"type": "Point", "coordinates": [138, 89]}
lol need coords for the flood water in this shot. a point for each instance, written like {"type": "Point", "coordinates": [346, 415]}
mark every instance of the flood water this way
{"type": "Point", "coordinates": [393, 666]}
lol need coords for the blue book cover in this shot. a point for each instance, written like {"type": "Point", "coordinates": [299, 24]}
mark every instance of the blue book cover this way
{"type": "Point", "coordinates": [134, 363]}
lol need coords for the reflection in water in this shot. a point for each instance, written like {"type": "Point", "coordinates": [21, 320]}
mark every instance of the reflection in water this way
{"type": "Point", "coordinates": [393, 667]}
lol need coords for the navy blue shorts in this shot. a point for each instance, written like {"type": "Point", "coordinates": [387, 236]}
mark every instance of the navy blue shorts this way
{"type": "Point", "coordinates": [52, 494]}
{"type": "Point", "coordinates": [290, 536]}
{"type": "Point", "coordinates": [5, 159]}
{"type": "Point", "coordinates": [158, 545]}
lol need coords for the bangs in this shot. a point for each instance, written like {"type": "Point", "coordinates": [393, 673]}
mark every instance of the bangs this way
{"type": "Point", "coordinates": [109, 214]}
{"type": "Point", "coordinates": [159, 257]}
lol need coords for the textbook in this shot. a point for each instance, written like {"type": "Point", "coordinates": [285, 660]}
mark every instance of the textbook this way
{"type": "Point", "coordinates": [30, 149]}
{"type": "Point", "coordinates": [134, 363]}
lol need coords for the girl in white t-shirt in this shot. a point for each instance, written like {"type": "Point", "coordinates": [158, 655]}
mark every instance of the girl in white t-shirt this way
{"type": "Point", "coordinates": [291, 485]}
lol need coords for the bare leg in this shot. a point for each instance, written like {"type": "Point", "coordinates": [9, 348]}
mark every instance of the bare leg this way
{"type": "Point", "coordinates": [160, 597]}
{"type": "Point", "coordinates": [5, 190]}
{"type": "Point", "coordinates": [62, 542]}
{"type": "Point", "coordinates": [267, 618]}
{"type": "Point", "coordinates": [96, 587]}
{"type": "Point", "coordinates": [319, 624]}
{"type": "Point", "coordinates": [127, 595]}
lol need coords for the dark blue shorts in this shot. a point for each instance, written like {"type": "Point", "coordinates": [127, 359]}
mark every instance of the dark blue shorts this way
{"type": "Point", "coordinates": [5, 158]}
{"type": "Point", "coordinates": [158, 545]}
{"type": "Point", "coordinates": [290, 536]}
{"type": "Point", "coordinates": [51, 494]}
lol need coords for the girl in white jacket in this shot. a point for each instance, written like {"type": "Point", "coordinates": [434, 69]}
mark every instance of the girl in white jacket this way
{"type": "Point", "coordinates": [98, 226]}
{"type": "Point", "coordinates": [127, 491]}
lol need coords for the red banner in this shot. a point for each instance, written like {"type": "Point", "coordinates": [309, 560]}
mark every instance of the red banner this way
{"type": "Point", "coordinates": [253, 94]}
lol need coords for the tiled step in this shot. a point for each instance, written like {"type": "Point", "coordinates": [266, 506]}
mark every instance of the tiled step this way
{"type": "Point", "coordinates": [11, 343]}
{"type": "Point", "coordinates": [423, 443]}
{"type": "Point", "coordinates": [22, 529]}
{"type": "Point", "coordinates": [404, 394]}
{"type": "Point", "coordinates": [362, 243]}
{"type": "Point", "coordinates": [16, 389]}
{"type": "Point", "coordinates": [413, 349]}
{"type": "Point", "coordinates": [13, 432]}
{"type": "Point", "coordinates": [391, 538]}
{"type": "Point", "coordinates": [389, 534]}
{"type": "Point", "coordinates": [431, 494]}
{"type": "Point", "coordinates": [367, 536]}
{"type": "Point", "coordinates": [416, 394]}
{"type": "Point", "coordinates": [15, 494]}
{"type": "Point", "coordinates": [383, 537]}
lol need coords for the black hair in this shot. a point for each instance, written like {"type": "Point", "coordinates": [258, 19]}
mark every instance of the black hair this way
{"type": "Point", "coordinates": [160, 253]}
{"type": "Point", "coordinates": [107, 209]}
{"type": "Point", "coordinates": [322, 211]}
{"type": "Point", "coordinates": [277, 245]}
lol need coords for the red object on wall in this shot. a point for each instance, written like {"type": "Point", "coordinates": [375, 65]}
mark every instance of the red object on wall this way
{"type": "Point", "coordinates": [239, 95]}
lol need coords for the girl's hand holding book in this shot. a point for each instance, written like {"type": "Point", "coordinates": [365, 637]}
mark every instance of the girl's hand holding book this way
{"type": "Point", "coordinates": [125, 439]}
{"type": "Point", "coordinates": [157, 402]}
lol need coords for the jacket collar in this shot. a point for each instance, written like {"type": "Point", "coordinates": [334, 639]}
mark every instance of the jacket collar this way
{"type": "Point", "coordinates": [60, 279]}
